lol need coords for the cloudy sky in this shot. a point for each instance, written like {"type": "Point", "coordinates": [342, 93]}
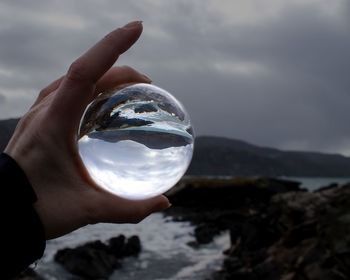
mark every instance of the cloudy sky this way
{"type": "Point", "coordinates": [272, 72]}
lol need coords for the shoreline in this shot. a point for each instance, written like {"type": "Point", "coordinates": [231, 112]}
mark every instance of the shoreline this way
{"type": "Point", "coordinates": [265, 218]}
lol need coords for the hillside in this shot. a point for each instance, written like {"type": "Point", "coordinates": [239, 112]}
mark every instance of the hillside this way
{"type": "Point", "coordinates": [222, 156]}
{"type": "Point", "coordinates": [218, 156]}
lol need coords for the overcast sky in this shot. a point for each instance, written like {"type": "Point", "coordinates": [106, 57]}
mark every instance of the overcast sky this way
{"type": "Point", "coordinates": [274, 73]}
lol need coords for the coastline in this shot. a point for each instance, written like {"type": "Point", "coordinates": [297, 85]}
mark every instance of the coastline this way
{"type": "Point", "coordinates": [254, 221]}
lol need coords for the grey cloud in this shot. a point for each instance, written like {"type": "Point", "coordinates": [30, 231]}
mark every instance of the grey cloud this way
{"type": "Point", "coordinates": [2, 98]}
{"type": "Point", "coordinates": [304, 94]}
{"type": "Point", "coordinates": [297, 97]}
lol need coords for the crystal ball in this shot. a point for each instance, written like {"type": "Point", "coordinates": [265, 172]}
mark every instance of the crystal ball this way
{"type": "Point", "coordinates": [136, 142]}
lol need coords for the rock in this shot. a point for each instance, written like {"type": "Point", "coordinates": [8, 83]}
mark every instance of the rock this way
{"type": "Point", "coordinates": [132, 246]}
{"type": "Point", "coordinates": [117, 245]}
{"type": "Point", "coordinates": [29, 274]}
{"type": "Point", "coordinates": [298, 236]}
{"type": "Point", "coordinates": [224, 202]}
{"type": "Point", "coordinates": [258, 232]}
{"type": "Point", "coordinates": [193, 244]}
{"type": "Point", "coordinates": [227, 194]}
{"type": "Point", "coordinates": [277, 230]}
{"type": "Point", "coordinates": [268, 270]}
{"type": "Point", "coordinates": [89, 260]}
{"type": "Point", "coordinates": [95, 259]}
{"type": "Point", "coordinates": [232, 264]}
{"type": "Point", "coordinates": [300, 232]}
{"type": "Point", "coordinates": [330, 186]}
{"type": "Point", "coordinates": [205, 233]}
{"type": "Point", "coordinates": [120, 247]}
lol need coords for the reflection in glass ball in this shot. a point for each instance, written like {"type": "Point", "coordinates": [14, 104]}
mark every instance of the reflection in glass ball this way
{"type": "Point", "coordinates": [136, 142]}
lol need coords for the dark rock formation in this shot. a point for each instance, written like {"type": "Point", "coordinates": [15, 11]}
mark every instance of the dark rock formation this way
{"type": "Point", "coordinates": [308, 240]}
{"type": "Point", "coordinates": [121, 247]}
{"type": "Point", "coordinates": [205, 233]}
{"type": "Point", "coordinates": [91, 260]}
{"type": "Point", "coordinates": [95, 260]}
{"type": "Point", "coordinates": [214, 205]}
{"type": "Point", "coordinates": [277, 230]}
{"type": "Point", "coordinates": [29, 274]}
{"type": "Point", "coordinates": [132, 247]}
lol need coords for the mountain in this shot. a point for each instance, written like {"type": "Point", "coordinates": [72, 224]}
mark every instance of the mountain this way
{"type": "Point", "coordinates": [218, 156]}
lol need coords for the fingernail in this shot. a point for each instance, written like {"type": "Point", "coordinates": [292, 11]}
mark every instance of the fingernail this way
{"type": "Point", "coordinates": [147, 78]}
{"type": "Point", "coordinates": [169, 205]}
{"type": "Point", "coordinates": [133, 24]}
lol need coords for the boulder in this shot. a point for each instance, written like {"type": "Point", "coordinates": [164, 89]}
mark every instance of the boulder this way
{"type": "Point", "coordinates": [205, 233]}
{"type": "Point", "coordinates": [132, 246]}
{"type": "Point", "coordinates": [92, 260]}
{"type": "Point", "coordinates": [96, 259]}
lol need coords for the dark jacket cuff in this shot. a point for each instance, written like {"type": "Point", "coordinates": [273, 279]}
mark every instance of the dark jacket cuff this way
{"type": "Point", "coordinates": [22, 233]}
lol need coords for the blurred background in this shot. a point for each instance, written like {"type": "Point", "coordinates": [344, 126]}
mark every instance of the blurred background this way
{"type": "Point", "coordinates": [266, 83]}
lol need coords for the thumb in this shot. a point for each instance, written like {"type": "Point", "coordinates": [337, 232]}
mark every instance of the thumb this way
{"type": "Point", "coordinates": [121, 210]}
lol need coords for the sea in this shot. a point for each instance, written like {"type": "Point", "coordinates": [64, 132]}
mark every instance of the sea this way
{"type": "Point", "coordinates": [165, 251]}
{"type": "Point", "coordinates": [314, 183]}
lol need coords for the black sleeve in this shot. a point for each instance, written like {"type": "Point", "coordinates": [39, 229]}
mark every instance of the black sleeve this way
{"type": "Point", "coordinates": [22, 234]}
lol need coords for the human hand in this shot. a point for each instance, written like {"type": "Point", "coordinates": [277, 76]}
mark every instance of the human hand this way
{"type": "Point", "coordinates": [44, 143]}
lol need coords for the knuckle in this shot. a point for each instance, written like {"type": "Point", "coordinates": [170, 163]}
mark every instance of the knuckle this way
{"type": "Point", "coordinates": [130, 75]}
{"type": "Point", "coordinates": [77, 71]}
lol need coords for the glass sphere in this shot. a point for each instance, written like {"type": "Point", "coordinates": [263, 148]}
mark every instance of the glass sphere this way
{"type": "Point", "coordinates": [136, 142]}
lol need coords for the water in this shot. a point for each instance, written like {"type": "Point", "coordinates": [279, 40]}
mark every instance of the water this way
{"type": "Point", "coordinates": [314, 183]}
{"type": "Point", "coordinates": [136, 142]}
{"type": "Point", "coordinates": [165, 253]}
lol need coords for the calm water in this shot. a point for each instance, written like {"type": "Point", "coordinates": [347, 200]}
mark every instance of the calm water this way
{"type": "Point", "coordinates": [312, 184]}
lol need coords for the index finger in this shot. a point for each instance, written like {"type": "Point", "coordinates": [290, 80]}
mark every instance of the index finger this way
{"type": "Point", "coordinates": [76, 90]}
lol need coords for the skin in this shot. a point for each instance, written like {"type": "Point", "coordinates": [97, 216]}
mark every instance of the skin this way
{"type": "Point", "coordinates": [44, 143]}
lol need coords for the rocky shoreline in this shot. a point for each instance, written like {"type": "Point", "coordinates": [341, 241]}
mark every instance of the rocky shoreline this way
{"type": "Point", "coordinates": [277, 230]}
